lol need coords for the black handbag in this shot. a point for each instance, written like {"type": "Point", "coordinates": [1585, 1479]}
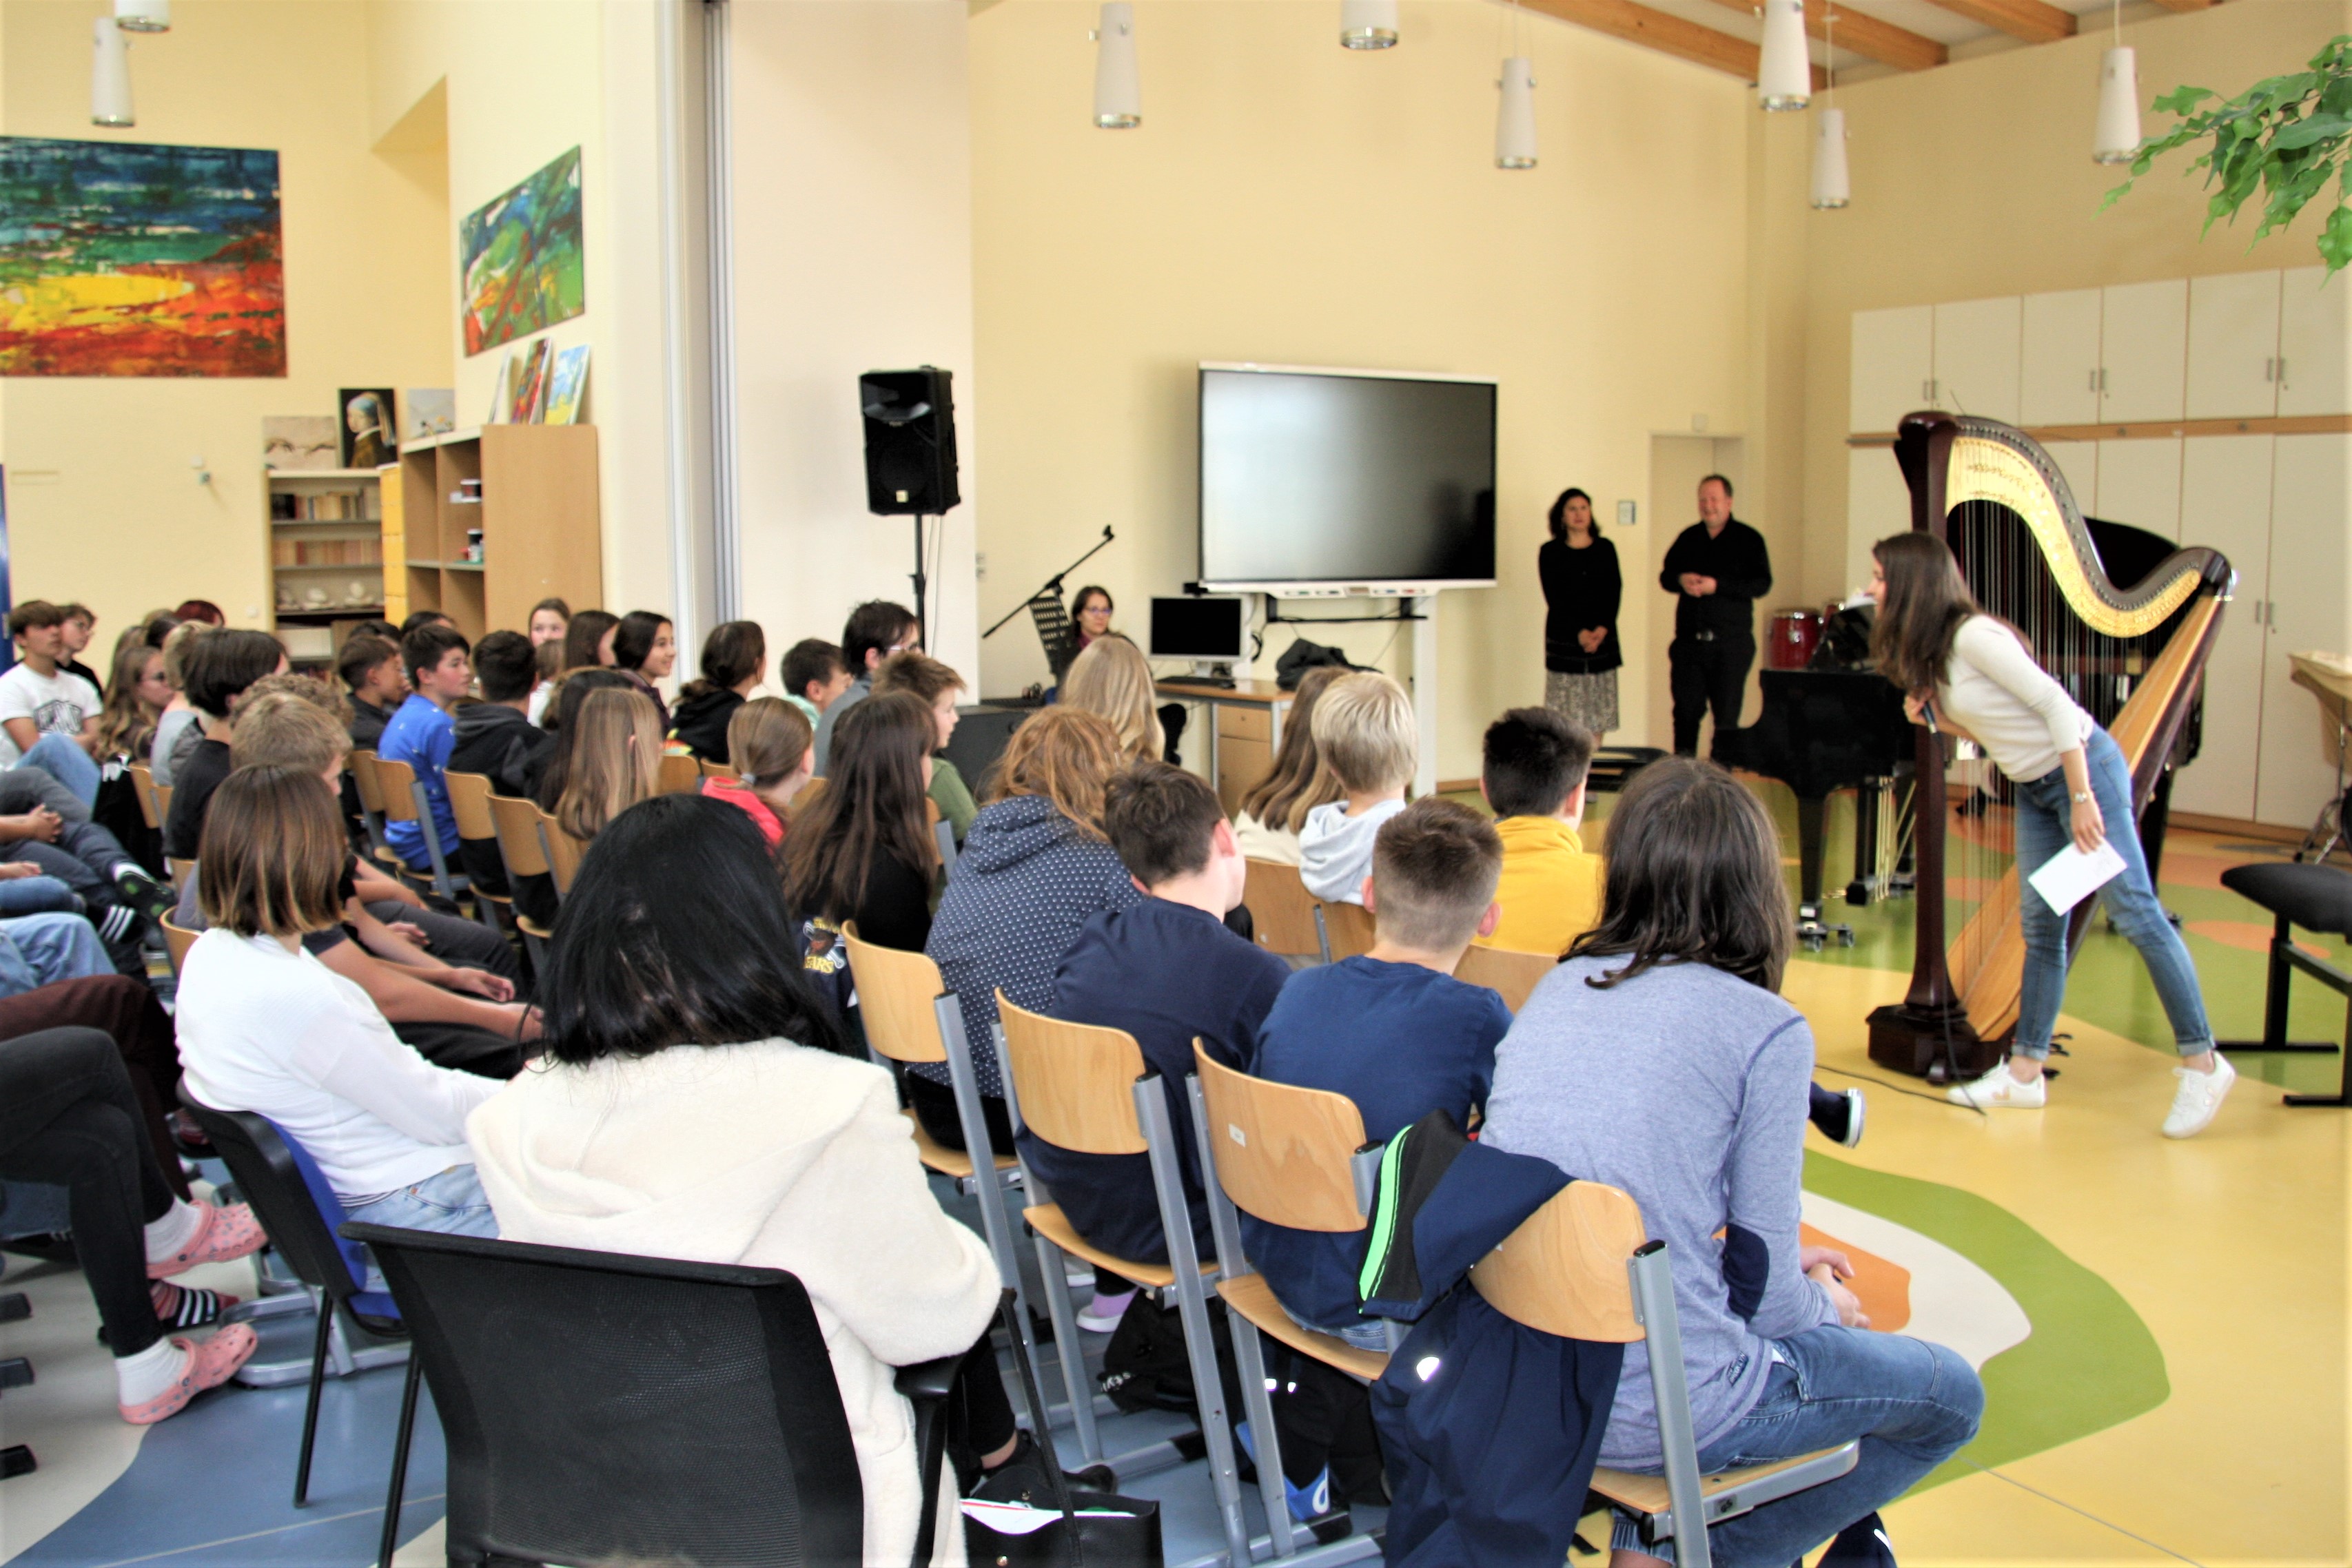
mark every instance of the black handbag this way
{"type": "Point", "coordinates": [1096, 1530]}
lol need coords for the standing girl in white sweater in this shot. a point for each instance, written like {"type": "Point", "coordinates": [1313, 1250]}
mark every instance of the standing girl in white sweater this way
{"type": "Point", "coordinates": [1981, 681]}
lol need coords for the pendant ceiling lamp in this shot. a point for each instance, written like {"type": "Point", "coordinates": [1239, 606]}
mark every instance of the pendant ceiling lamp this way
{"type": "Point", "coordinates": [1832, 189]}
{"type": "Point", "coordinates": [143, 15]}
{"type": "Point", "coordinates": [1515, 118]}
{"type": "Point", "coordinates": [1367, 23]}
{"type": "Point", "coordinates": [1119, 91]}
{"type": "Point", "coordinates": [2118, 133]}
{"type": "Point", "coordinates": [110, 75]}
{"type": "Point", "coordinates": [1784, 74]}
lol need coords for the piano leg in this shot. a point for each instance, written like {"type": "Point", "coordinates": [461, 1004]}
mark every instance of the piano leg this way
{"type": "Point", "coordinates": [1811, 930]}
{"type": "Point", "coordinates": [1866, 795]}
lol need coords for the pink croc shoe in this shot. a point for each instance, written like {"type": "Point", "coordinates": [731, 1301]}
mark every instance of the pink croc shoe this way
{"type": "Point", "coordinates": [209, 1365]}
{"type": "Point", "coordinates": [222, 1233]}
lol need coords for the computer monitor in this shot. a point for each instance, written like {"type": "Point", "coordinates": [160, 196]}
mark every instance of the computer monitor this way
{"type": "Point", "coordinates": [1212, 631]}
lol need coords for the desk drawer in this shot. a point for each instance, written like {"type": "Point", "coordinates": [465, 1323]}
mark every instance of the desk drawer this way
{"type": "Point", "coordinates": [1235, 722]}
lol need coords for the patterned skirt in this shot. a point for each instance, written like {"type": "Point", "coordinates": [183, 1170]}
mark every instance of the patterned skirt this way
{"type": "Point", "coordinates": [1588, 700]}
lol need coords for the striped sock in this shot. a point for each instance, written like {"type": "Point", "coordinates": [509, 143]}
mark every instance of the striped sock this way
{"type": "Point", "coordinates": [118, 923]}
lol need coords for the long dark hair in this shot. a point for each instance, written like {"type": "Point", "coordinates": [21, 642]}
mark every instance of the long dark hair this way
{"type": "Point", "coordinates": [730, 655]}
{"type": "Point", "coordinates": [1078, 605]}
{"type": "Point", "coordinates": [1926, 601]}
{"type": "Point", "coordinates": [635, 968]}
{"type": "Point", "coordinates": [581, 635]}
{"type": "Point", "coordinates": [1694, 877]}
{"type": "Point", "coordinates": [563, 717]}
{"type": "Point", "coordinates": [871, 806]}
{"type": "Point", "coordinates": [1558, 516]}
{"type": "Point", "coordinates": [633, 643]}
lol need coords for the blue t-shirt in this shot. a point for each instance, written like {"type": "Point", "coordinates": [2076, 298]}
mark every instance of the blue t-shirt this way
{"type": "Point", "coordinates": [1164, 973]}
{"type": "Point", "coordinates": [1399, 1039]}
{"type": "Point", "coordinates": [422, 736]}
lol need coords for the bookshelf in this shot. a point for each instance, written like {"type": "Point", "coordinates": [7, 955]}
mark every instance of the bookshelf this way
{"type": "Point", "coordinates": [324, 531]}
{"type": "Point", "coordinates": [530, 493]}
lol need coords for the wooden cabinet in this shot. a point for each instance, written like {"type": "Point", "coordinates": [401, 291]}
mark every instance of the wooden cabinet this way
{"type": "Point", "coordinates": [1877, 502]}
{"type": "Point", "coordinates": [2139, 484]}
{"type": "Point", "coordinates": [2234, 326]}
{"type": "Point", "coordinates": [2058, 360]}
{"type": "Point", "coordinates": [2143, 351]}
{"type": "Point", "coordinates": [2310, 608]}
{"type": "Point", "coordinates": [2225, 490]}
{"type": "Point", "coordinates": [1893, 368]}
{"type": "Point", "coordinates": [2314, 343]}
{"type": "Point", "coordinates": [526, 495]}
{"type": "Point", "coordinates": [2079, 462]}
{"type": "Point", "coordinates": [1245, 751]}
{"type": "Point", "coordinates": [1977, 364]}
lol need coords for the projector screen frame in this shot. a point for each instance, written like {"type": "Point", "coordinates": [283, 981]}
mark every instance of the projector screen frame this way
{"type": "Point", "coordinates": [1324, 587]}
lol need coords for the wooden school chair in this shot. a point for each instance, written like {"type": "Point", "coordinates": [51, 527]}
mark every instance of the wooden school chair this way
{"type": "Point", "coordinates": [680, 775]}
{"type": "Point", "coordinates": [1514, 975]}
{"type": "Point", "coordinates": [405, 800]}
{"type": "Point", "coordinates": [1085, 1089]}
{"type": "Point", "coordinates": [1580, 1268]}
{"type": "Point", "coordinates": [717, 769]}
{"type": "Point", "coordinates": [177, 940]}
{"type": "Point", "coordinates": [942, 837]}
{"type": "Point", "coordinates": [564, 852]}
{"type": "Point", "coordinates": [361, 765]}
{"type": "Point", "coordinates": [142, 784]}
{"type": "Point", "coordinates": [182, 873]}
{"type": "Point", "coordinates": [1289, 1157]}
{"type": "Point", "coordinates": [516, 824]}
{"type": "Point", "coordinates": [1284, 909]}
{"type": "Point", "coordinates": [803, 800]}
{"type": "Point", "coordinates": [470, 803]}
{"type": "Point", "coordinates": [164, 802]}
{"type": "Point", "coordinates": [1345, 928]}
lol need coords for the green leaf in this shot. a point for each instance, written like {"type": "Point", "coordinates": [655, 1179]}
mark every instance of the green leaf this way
{"type": "Point", "coordinates": [2303, 133]}
{"type": "Point", "coordinates": [2336, 240]}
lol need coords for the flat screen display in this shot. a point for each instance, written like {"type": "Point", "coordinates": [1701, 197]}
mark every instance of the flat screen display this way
{"type": "Point", "coordinates": [1199, 627]}
{"type": "Point", "coordinates": [1314, 476]}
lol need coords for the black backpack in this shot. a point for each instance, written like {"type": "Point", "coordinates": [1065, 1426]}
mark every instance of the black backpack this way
{"type": "Point", "coordinates": [1145, 1368]}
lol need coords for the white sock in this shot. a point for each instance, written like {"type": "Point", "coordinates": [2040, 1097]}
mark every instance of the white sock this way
{"type": "Point", "coordinates": [139, 1378]}
{"type": "Point", "coordinates": [175, 1230]}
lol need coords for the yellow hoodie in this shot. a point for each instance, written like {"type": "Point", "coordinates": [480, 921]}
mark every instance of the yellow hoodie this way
{"type": "Point", "coordinates": [1551, 889]}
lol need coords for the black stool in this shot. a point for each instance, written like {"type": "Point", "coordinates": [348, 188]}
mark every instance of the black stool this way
{"type": "Point", "coordinates": [2317, 898]}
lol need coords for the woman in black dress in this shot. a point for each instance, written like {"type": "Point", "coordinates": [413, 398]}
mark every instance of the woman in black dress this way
{"type": "Point", "coordinates": [1582, 587]}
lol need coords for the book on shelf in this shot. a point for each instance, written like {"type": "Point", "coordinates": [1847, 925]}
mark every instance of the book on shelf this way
{"type": "Point", "coordinates": [326, 552]}
{"type": "Point", "coordinates": [325, 506]}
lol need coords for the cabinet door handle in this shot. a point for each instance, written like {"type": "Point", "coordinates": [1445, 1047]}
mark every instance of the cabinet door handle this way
{"type": "Point", "coordinates": [2094, 381]}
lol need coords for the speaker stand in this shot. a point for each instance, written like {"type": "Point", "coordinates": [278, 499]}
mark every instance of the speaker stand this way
{"type": "Point", "coordinates": [922, 585]}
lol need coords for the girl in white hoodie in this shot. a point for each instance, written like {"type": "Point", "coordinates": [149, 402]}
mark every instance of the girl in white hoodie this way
{"type": "Point", "coordinates": [694, 1103]}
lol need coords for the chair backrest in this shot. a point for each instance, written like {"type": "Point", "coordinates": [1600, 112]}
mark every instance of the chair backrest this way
{"type": "Point", "coordinates": [164, 802]}
{"type": "Point", "coordinates": [1351, 928]}
{"type": "Point", "coordinates": [564, 852]}
{"type": "Point", "coordinates": [717, 769]}
{"type": "Point", "coordinates": [1514, 975]}
{"type": "Point", "coordinates": [469, 801]}
{"type": "Point", "coordinates": [181, 872]}
{"type": "Point", "coordinates": [1563, 1269]}
{"type": "Point", "coordinates": [516, 823]}
{"type": "Point", "coordinates": [680, 775]}
{"type": "Point", "coordinates": [290, 1196]}
{"type": "Point", "coordinates": [801, 801]}
{"type": "Point", "coordinates": [361, 765]}
{"type": "Point", "coordinates": [395, 784]}
{"type": "Point", "coordinates": [600, 1407]}
{"type": "Point", "coordinates": [895, 993]}
{"type": "Point", "coordinates": [177, 940]}
{"type": "Point", "coordinates": [1075, 1081]}
{"type": "Point", "coordinates": [1282, 908]}
{"type": "Point", "coordinates": [142, 784]}
{"type": "Point", "coordinates": [1282, 1152]}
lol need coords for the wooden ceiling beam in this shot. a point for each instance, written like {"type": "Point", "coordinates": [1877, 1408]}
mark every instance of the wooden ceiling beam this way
{"type": "Point", "coordinates": [1667, 33]}
{"type": "Point", "coordinates": [2028, 20]}
{"type": "Point", "coordinates": [1865, 35]}
{"type": "Point", "coordinates": [2188, 4]}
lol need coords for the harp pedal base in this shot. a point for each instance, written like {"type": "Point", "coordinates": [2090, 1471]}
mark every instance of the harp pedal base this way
{"type": "Point", "coordinates": [1913, 1040]}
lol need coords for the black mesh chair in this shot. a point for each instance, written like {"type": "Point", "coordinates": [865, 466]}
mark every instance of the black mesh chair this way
{"type": "Point", "coordinates": [2317, 898]}
{"type": "Point", "coordinates": [601, 1407]}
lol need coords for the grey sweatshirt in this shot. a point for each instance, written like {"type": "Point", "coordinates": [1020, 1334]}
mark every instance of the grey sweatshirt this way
{"type": "Point", "coordinates": [1334, 849]}
{"type": "Point", "coordinates": [1685, 1087]}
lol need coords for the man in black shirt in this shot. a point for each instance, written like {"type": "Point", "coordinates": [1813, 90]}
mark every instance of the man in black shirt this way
{"type": "Point", "coordinates": [1718, 568]}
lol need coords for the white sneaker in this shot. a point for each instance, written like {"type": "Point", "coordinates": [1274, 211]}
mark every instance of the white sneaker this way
{"type": "Point", "coordinates": [2199, 1098]}
{"type": "Point", "coordinates": [1101, 1315]}
{"type": "Point", "coordinates": [1999, 1090]}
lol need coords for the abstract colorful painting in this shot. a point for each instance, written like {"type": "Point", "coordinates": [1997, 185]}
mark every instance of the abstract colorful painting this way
{"type": "Point", "coordinates": [568, 387]}
{"type": "Point", "coordinates": [126, 259]}
{"type": "Point", "coordinates": [523, 267]}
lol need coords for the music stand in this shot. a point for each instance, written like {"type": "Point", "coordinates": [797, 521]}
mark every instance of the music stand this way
{"type": "Point", "coordinates": [2328, 677]}
{"type": "Point", "coordinates": [1054, 628]}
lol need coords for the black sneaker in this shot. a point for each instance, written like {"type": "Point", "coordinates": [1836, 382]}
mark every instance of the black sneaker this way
{"type": "Point", "coordinates": [143, 893]}
{"type": "Point", "coordinates": [1862, 1544]}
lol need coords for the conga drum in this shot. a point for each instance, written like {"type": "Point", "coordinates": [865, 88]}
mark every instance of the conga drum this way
{"type": "Point", "coordinates": [1790, 638]}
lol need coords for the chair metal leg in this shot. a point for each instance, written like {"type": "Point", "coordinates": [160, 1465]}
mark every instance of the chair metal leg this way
{"type": "Point", "coordinates": [326, 1309]}
{"type": "Point", "coordinates": [1653, 1304]}
{"type": "Point", "coordinates": [430, 831]}
{"type": "Point", "coordinates": [393, 1497]}
{"type": "Point", "coordinates": [1249, 1356]}
{"type": "Point", "coordinates": [1322, 933]}
{"type": "Point", "coordinates": [1076, 1384]}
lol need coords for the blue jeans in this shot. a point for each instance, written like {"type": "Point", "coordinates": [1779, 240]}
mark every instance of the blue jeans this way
{"type": "Point", "coordinates": [37, 950]}
{"type": "Point", "coordinates": [36, 895]}
{"type": "Point", "coordinates": [451, 1202]}
{"type": "Point", "coordinates": [1914, 1404]}
{"type": "Point", "coordinates": [2045, 827]}
{"type": "Point", "coordinates": [62, 759]}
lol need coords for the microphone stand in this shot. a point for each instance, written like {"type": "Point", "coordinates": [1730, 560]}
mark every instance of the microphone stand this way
{"type": "Point", "coordinates": [1051, 585]}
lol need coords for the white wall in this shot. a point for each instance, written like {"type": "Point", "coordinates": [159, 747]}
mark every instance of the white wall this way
{"type": "Point", "coordinates": [852, 252]}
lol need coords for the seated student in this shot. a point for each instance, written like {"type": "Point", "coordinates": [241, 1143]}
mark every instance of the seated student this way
{"type": "Point", "coordinates": [265, 1026]}
{"type": "Point", "coordinates": [875, 630]}
{"type": "Point", "coordinates": [1113, 678]}
{"type": "Point", "coordinates": [223, 665]}
{"type": "Point", "coordinates": [1659, 1058]}
{"type": "Point", "coordinates": [588, 640]}
{"type": "Point", "coordinates": [549, 618]}
{"type": "Point", "coordinates": [55, 862]}
{"type": "Point", "coordinates": [1364, 729]}
{"type": "Point", "coordinates": [767, 744]}
{"type": "Point", "coordinates": [48, 714]}
{"type": "Point", "coordinates": [937, 685]}
{"type": "Point", "coordinates": [690, 1059]}
{"type": "Point", "coordinates": [734, 662]}
{"type": "Point", "coordinates": [613, 761]}
{"type": "Point", "coordinates": [1533, 777]}
{"type": "Point", "coordinates": [179, 721]}
{"type": "Point", "coordinates": [422, 735]}
{"type": "Point", "coordinates": [1035, 869]}
{"type": "Point", "coordinates": [67, 1118]}
{"type": "Point", "coordinates": [135, 700]}
{"type": "Point", "coordinates": [644, 649]}
{"type": "Point", "coordinates": [38, 950]}
{"type": "Point", "coordinates": [863, 849]}
{"type": "Point", "coordinates": [1395, 1033]}
{"type": "Point", "coordinates": [371, 668]}
{"type": "Point", "coordinates": [814, 675]}
{"type": "Point", "coordinates": [1165, 970]}
{"type": "Point", "coordinates": [127, 1011]}
{"type": "Point", "coordinates": [75, 631]}
{"type": "Point", "coordinates": [549, 772]}
{"type": "Point", "coordinates": [421, 618]}
{"type": "Point", "coordinates": [495, 738]}
{"type": "Point", "coordinates": [1266, 826]}
{"type": "Point", "coordinates": [547, 658]}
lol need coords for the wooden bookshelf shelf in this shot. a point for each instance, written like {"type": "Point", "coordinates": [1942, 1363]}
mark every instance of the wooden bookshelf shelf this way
{"type": "Point", "coordinates": [366, 487]}
{"type": "Point", "coordinates": [538, 515]}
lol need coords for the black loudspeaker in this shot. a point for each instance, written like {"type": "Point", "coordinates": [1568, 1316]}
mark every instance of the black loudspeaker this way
{"type": "Point", "coordinates": [911, 453]}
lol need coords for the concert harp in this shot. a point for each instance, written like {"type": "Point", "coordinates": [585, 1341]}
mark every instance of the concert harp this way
{"type": "Point", "coordinates": [2133, 656]}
